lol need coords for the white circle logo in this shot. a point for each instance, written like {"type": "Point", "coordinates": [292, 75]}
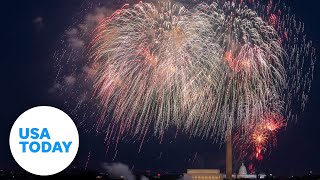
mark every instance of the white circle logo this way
{"type": "Point", "coordinates": [44, 140]}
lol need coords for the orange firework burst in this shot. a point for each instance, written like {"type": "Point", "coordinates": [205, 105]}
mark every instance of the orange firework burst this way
{"type": "Point", "coordinates": [259, 138]}
{"type": "Point", "coordinates": [264, 134]}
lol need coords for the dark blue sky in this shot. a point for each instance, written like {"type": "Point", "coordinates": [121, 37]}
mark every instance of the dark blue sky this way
{"type": "Point", "coordinates": [27, 75]}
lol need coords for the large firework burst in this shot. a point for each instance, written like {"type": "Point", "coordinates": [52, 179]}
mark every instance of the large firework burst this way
{"type": "Point", "coordinates": [147, 58]}
{"type": "Point", "coordinates": [225, 64]}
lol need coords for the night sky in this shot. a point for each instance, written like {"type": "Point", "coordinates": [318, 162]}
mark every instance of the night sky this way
{"type": "Point", "coordinates": [28, 43]}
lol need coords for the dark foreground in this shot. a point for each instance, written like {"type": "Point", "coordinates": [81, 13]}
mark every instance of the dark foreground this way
{"type": "Point", "coordinates": [103, 176]}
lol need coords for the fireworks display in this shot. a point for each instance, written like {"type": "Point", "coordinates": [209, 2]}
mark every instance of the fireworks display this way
{"type": "Point", "coordinates": [200, 68]}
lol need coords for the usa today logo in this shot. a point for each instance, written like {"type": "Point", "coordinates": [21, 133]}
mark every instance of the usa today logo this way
{"type": "Point", "coordinates": [44, 140]}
